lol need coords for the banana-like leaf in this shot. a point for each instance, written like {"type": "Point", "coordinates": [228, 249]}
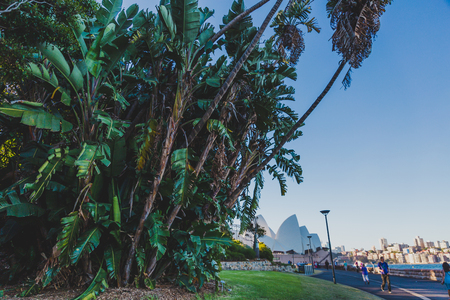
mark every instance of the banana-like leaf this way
{"type": "Point", "coordinates": [222, 131]}
{"type": "Point", "coordinates": [168, 21]}
{"type": "Point", "coordinates": [108, 11]}
{"type": "Point", "coordinates": [54, 163]}
{"type": "Point", "coordinates": [50, 79]}
{"type": "Point", "coordinates": [140, 259]}
{"type": "Point", "coordinates": [111, 91]}
{"type": "Point", "coordinates": [112, 258]}
{"type": "Point", "coordinates": [49, 275]}
{"type": "Point", "coordinates": [86, 243]}
{"type": "Point", "coordinates": [184, 182]}
{"type": "Point", "coordinates": [67, 238]}
{"type": "Point", "coordinates": [187, 18]}
{"type": "Point", "coordinates": [93, 62]}
{"type": "Point", "coordinates": [99, 284]}
{"type": "Point", "coordinates": [118, 152]}
{"type": "Point", "coordinates": [286, 71]}
{"type": "Point", "coordinates": [54, 55]}
{"type": "Point", "coordinates": [35, 116]}
{"type": "Point", "coordinates": [78, 29]}
{"type": "Point", "coordinates": [17, 208]}
{"type": "Point", "coordinates": [125, 19]}
{"type": "Point", "coordinates": [157, 232]}
{"type": "Point", "coordinates": [114, 51]}
{"type": "Point", "coordinates": [87, 158]}
{"type": "Point", "coordinates": [115, 129]}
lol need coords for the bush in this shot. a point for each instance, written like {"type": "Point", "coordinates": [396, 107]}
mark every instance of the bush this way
{"type": "Point", "coordinates": [265, 252]}
{"type": "Point", "coordinates": [239, 252]}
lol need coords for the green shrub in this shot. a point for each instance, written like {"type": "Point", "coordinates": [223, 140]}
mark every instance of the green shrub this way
{"type": "Point", "coordinates": [265, 252]}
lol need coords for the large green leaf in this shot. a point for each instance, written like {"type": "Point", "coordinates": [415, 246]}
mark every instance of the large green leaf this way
{"type": "Point", "coordinates": [118, 152]}
{"type": "Point", "coordinates": [35, 116]}
{"type": "Point", "coordinates": [187, 18]}
{"type": "Point", "coordinates": [125, 19]}
{"type": "Point", "coordinates": [114, 128]}
{"type": "Point", "coordinates": [86, 159]}
{"type": "Point", "coordinates": [54, 55]}
{"type": "Point", "coordinates": [112, 258]}
{"type": "Point", "coordinates": [17, 208]}
{"type": "Point", "coordinates": [168, 21]}
{"type": "Point", "coordinates": [86, 243]}
{"type": "Point", "coordinates": [99, 284]}
{"type": "Point", "coordinates": [67, 238]}
{"type": "Point", "coordinates": [108, 11]}
{"type": "Point", "coordinates": [184, 182]}
{"type": "Point", "coordinates": [157, 232]}
{"type": "Point", "coordinates": [54, 163]}
{"type": "Point", "coordinates": [51, 80]}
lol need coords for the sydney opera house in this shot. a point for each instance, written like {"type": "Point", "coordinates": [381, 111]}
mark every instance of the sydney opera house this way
{"type": "Point", "coordinates": [289, 237]}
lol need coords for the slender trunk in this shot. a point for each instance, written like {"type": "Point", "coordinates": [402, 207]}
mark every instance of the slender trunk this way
{"type": "Point", "coordinates": [231, 24]}
{"type": "Point", "coordinates": [170, 139]}
{"type": "Point", "coordinates": [233, 74]}
{"type": "Point", "coordinates": [235, 194]}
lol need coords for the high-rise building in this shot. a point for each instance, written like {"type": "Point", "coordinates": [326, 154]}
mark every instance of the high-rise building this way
{"type": "Point", "coordinates": [443, 244]}
{"type": "Point", "coordinates": [383, 243]}
{"type": "Point", "coordinates": [373, 248]}
{"type": "Point", "coordinates": [418, 242]}
{"type": "Point", "coordinates": [429, 244]}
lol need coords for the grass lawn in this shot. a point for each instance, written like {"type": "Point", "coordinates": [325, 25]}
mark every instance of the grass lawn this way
{"type": "Point", "coordinates": [277, 285]}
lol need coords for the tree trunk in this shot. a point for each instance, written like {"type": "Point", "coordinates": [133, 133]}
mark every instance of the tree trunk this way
{"type": "Point", "coordinates": [233, 74]}
{"type": "Point", "coordinates": [235, 194]}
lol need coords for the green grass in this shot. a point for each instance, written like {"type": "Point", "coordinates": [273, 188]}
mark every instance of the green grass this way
{"type": "Point", "coordinates": [276, 285]}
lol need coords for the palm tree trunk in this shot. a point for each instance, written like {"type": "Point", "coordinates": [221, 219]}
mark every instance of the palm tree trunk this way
{"type": "Point", "coordinates": [235, 194]}
{"type": "Point", "coordinates": [233, 74]}
{"type": "Point", "coordinates": [170, 139]}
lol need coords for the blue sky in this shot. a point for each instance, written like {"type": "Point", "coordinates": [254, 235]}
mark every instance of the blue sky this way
{"type": "Point", "coordinates": [378, 154]}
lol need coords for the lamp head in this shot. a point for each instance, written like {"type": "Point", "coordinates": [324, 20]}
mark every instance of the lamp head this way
{"type": "Point", "coordinates": [309, 236]}
{"type": "Point", "coordinates": [324, 212]}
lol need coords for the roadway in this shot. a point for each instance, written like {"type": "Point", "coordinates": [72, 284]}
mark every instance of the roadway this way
{"type": "Point", "coordinates": [402, 288]}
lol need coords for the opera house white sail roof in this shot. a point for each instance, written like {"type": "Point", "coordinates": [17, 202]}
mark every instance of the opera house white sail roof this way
{"type": "Point", "coordinates": [290, 236]}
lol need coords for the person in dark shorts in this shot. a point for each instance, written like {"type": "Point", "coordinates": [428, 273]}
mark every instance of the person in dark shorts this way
{"type": "Point", "coordinates": [384, 271]}
{"type": "Point", "coordinates": [327, 264]}
{"type": "Point", "coordinates": [357, 267]}
{"type": "Point", "coordinates": [446, 276]}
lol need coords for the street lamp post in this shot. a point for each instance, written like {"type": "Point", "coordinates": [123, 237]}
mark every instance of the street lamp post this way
{"type": "Point", "coordinates": [310, 252]}
{"type": "Point", "coordinates": [325, 213]}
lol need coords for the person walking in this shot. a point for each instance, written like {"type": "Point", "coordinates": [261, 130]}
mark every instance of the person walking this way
{"type": "Point", "coordinates": [384, 271]}
{"type": "Point", "coordinates": [327, 264]}
{"type": "Point", "coordinates": [446, 276]}
{"type": "Point", "coordinates": [365, 274]}
{"type": "Point", "coordinates": [357, 267]}
{"type": "Point", "coordinates": [345, 265]}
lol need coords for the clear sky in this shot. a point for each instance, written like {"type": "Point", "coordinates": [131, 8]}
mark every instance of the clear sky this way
{"type": "Point", "coordinates": [378, 154]}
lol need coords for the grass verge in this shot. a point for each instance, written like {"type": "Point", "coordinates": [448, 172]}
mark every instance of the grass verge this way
{"type": "Point", "coordinates": [275, 285]}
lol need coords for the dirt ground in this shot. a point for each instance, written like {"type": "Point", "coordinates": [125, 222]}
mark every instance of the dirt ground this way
{"type": "Point", "coordinates": [161, 292]}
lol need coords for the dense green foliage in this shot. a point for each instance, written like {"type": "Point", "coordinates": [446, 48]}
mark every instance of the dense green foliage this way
{"type": "Point", "coordinates": [133, 149]}
{"type": "Point", "coordinates": [238, 252]}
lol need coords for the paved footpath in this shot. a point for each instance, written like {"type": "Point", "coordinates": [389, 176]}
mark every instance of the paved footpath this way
{"type": "Point", "coordinates": [402, 288]}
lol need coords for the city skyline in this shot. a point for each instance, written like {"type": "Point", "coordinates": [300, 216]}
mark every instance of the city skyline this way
{"type": "Point", "coordinates": [376, 154]}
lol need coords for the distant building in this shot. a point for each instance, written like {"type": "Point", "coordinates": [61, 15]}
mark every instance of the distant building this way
{"type": "Point", "coordinates": [374, 249]}
{"type": "Point", "coordinates": [289, 237]}
{"type": "Point", "coordinates": [383, 243]}
{"type": "Point", "coordinates": [429, 244]}
{"type": "Point", "coordinates": [443, 244]}
{"type": "Point", "coordinates": [432, 259]}
{"type": "Point", "coordinates": [418, 242]}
